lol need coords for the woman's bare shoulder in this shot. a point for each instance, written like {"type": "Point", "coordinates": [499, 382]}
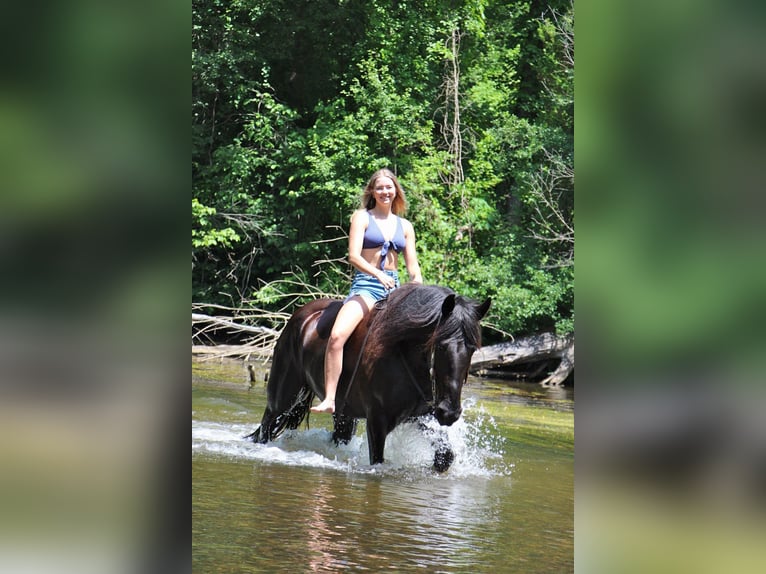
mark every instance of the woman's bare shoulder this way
{"type": "Point", "coordinates": [359, 217]}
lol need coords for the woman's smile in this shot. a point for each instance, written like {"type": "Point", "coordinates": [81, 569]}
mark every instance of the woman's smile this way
{"type": "Point", "coordinates": [384, 190]}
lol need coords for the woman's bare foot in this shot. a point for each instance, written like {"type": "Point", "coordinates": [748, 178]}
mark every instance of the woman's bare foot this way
{"type": "Point", "coordinates": [326, 406]}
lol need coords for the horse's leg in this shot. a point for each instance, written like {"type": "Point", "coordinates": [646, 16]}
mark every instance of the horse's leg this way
{"type": "Point", "coordinates": [262, 433]}
{"type": "Point", "coordinates": [377, 431]}
{"type": "Point", "coordinates": [343, 429]}
{"type": "Point", "coordinates": [444, 456]}
{"type": "Point", "coordinates": [255, 436]}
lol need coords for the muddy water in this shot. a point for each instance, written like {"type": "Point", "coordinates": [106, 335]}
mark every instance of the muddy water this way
{"type": "Point", "coordinates": [301, 504]}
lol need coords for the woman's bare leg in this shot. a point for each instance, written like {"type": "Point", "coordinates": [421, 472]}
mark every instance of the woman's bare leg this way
{"type": "Point", "coordinates": [348, 318]}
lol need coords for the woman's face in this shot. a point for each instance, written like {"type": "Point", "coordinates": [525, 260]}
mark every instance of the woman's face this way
{"type": "Point", "coordinates": [384, 191]}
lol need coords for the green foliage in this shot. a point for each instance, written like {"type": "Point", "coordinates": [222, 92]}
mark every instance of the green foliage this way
{"type": "Point", "coordinates": [295, 104]}
{"type": "Point", "coordinates": [203, 232]}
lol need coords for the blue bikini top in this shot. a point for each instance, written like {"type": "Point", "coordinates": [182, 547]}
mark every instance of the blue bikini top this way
{"type": "Point", "coordinates": [373, 237]}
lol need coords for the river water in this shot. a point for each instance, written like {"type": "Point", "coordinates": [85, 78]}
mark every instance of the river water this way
{"type": "Point", "coordinates": [301, 504]}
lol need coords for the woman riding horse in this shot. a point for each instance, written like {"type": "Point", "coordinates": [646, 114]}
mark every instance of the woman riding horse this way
{"type": "Point", "coordinates": [409, 358]}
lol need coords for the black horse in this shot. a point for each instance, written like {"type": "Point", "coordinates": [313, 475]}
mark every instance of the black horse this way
{"type": "Point", "coordinates": [408, 358]}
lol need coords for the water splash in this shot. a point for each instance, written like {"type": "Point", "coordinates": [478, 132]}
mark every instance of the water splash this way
{"type": "Point", "coordinates": [409, 448]}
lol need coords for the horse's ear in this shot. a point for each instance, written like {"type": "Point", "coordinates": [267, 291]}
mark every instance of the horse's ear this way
{"type": "Point", "coordinates": [448, 305]}
{"type": "Point", "coordinates": [484, 307]}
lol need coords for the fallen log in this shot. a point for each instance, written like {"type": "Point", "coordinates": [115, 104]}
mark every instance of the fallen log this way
{"type": "Point", "coordinates": [536, 354]}
{"type": "Point", "coordinates": [245, 352]}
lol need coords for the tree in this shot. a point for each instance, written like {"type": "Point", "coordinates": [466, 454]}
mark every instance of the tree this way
{"type": "Point", "coordinates": [295, 104]}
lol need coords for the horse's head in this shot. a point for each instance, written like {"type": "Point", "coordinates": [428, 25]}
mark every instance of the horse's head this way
{"type": "Point", "coordinates": [454, 342]}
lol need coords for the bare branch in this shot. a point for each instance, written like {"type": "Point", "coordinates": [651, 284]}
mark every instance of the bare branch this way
{"type": "Point", "coordinates": [552, 189]}
{"type": "Point", "coordinates": [565, 30]}
{"type": "Point", "coordinates": [451, 128]}
{"type": "Point", "coordinates": [258, 340]}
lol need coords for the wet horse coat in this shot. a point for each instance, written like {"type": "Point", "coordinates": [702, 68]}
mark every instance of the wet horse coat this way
{"type": "Point", "coordinates": [409, 357]}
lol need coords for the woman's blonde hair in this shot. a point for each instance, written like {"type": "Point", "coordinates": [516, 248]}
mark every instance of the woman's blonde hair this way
{"type": "Point", "coordinates": [399, 205]}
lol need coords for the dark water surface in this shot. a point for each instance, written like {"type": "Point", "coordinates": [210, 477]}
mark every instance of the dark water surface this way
{"type": "Point", "coordinates": [301, 504]}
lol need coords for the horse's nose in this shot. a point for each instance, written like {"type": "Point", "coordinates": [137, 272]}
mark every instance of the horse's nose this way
{"type": "Point", "coordinates": [446, 414]}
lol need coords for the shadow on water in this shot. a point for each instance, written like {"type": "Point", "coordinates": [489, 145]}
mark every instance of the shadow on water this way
{"type": "Point", "coordinates": [301, 504]}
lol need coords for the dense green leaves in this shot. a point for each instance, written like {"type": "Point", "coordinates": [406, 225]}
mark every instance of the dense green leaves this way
{"type": "Point", "coordinates": [296, 103]}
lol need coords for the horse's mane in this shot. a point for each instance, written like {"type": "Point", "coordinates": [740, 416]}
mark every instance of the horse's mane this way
{"type": "Point", "coordinates": [413, 313]}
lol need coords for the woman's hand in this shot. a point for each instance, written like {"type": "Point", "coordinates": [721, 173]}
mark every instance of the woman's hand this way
{"type": "Point", "coordinates": [387, 281]}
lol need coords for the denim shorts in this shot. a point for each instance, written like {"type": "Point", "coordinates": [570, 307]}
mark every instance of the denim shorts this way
{"type": "Point", "coordinates": [369, 286]}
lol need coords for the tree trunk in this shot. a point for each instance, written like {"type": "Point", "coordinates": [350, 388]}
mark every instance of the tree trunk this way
{"type": "Point", "coordinates": [528, 353]}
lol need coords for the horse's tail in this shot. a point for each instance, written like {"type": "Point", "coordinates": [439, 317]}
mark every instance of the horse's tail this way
{"type": "Point", "coordinates": [294, 416]}
{"type": "Point", "coordinates": [272, 426]}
